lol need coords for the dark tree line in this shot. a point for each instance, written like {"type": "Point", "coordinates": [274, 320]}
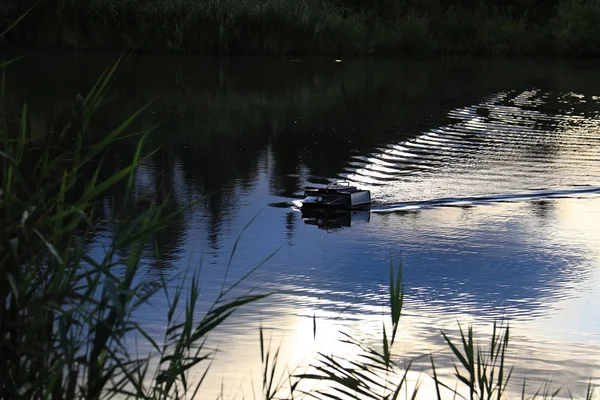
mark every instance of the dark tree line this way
{"type": "Point", "coordinates": [532, 10]}
{"type": "Point", "coordinates": [458, 27]}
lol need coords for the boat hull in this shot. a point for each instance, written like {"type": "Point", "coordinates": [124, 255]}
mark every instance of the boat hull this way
{"type": "Point", "coordinates": [344, 198]}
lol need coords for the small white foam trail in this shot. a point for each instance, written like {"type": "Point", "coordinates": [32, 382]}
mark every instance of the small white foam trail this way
{"type": "Point", "coordinates": [481, 200]}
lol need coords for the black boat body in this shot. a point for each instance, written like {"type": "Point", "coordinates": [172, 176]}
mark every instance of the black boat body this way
{"type": "Point", "coordinates": [337, 196]}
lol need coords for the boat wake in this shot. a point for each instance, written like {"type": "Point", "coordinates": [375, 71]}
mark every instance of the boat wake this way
{"type": "Point", "coordinates": [467, 201]}
{"type": "Point", "coordinates": [496, 150]}
{"type": "Point", "coordinates": [485, 200]}
{"type": "Point", "coordinates": [509, 142]}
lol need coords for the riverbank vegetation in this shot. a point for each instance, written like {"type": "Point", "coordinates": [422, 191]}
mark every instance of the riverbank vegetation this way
{"type": "Point", "coordinates": [340, 27]}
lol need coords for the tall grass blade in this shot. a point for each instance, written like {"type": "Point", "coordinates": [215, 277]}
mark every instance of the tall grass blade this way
{"type": "Point", "coordinates": [92, 101]}
{"type": "Point", "coordinates": [250, 272]}
{"type": "Point", "coordinates": [435, 379]}
{"type": "Point", "coordinates": [17, 21]}
{"type": "Point", "coordinates": [589, 394]}
{"type": "Point", "coordinates": [234, 249]}
{"type": "Point", "coordinates": [396, 299]}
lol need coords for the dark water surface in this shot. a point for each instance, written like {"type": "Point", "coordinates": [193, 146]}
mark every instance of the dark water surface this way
{"type": "Point", "coordinates": [485, 177]}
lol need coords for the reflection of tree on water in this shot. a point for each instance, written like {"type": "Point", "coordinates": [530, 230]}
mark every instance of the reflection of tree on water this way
{"type": "Point", "coordinates": [284, 150]}
{"type": "Point", "coordinates": [219, 119]}
{"type": "Point", "coordinates": [543, 209]}
{"type": "Point", "coordinates": [165, 246]}
{"type": "Point", "coordinates": [169, 241]}
{"type": "Point", "coordinates": [290, 225]}
{"type": "Point", "coordinates": [222, 172]}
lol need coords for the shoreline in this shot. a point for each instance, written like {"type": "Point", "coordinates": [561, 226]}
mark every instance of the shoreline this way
{"type": "Point", "coordinates": [21, 50]}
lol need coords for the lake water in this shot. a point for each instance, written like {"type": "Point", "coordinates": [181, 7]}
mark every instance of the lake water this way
{"type": "Point", "coordinates": [485, 177]}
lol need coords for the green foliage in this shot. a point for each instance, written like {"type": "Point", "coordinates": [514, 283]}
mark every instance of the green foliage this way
{"type": "Point", "coordinates": [373, 373]}
{"type": "Point", "coordinates": [65, 317]}
{"type": "Point", "coordinates": [576, 27]}
{"type": "Point", "coordinates": [408, 34]}
{"type": "Point", "coordinates": [503, 35]}
{"type": "Point", "coordinates": [486, 376]}
{"type": "Point", "coordinates": [220, 27]}
{"type": "Point", "coordinates": [473, 27]}
{"type": "Point", "coordinates": [370, 373]}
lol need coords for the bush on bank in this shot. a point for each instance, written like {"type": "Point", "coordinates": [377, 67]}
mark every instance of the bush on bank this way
{"type": "Point", "coordinates": [228, 27]}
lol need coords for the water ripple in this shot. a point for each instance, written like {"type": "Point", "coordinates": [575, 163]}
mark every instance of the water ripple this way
{"type": "Point", "coordinates": [504, 146]}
